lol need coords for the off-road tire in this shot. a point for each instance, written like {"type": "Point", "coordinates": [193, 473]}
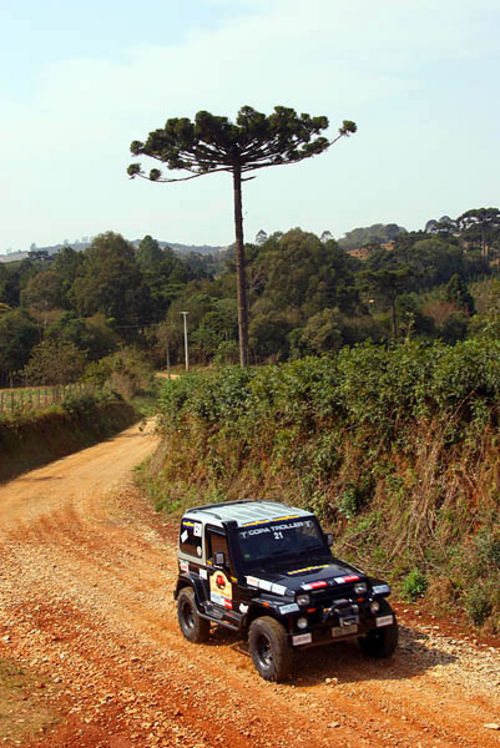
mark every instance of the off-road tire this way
{"type": "Point", "coordinates": [268, 644]}
{"type": "Point", "coordinates": [382, 642]}
{"type": "Point", "coordinates": [194, 628]}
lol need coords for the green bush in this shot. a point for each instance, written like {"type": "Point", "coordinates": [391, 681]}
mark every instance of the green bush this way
{"type": "Point", "coordinates": [126, 372]}
{"type": "Point", "coordinates": [414, 585]}
{"type": "Point", "coordinates": [478, 605]}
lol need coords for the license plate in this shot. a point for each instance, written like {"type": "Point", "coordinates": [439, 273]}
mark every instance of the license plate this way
{"type": "Point", "coordinates": [345, 630]}
{"type": "Point", "coordinates": [384, 620]}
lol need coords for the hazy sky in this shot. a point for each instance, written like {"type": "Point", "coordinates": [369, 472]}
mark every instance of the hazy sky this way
{"type": "Point", "coordinates": [80, 81]}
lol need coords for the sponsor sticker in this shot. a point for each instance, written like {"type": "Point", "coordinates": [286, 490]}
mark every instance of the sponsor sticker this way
{"type": "Point", "coordinates": [221, 600]}
{"type": "Point", "coordinates": [301, 639]}
{"type": "Point", "coordinates": [184, 566]}
{"type": "Point", "coordinates": [221, 585]}
{"type": "Point", "coordinates": [184, 536]}
{"type": "Point", "coordinates": [263, 584]}
{"type": "Point", "coordinates": [278, 589]}
{"type": "Point", "coordinates": [306, 569]}
{"type": "Point", "coordinates": [314, 585]}
{"type": "Point", "coordinates": [381, 589]}
{"type": "Point", "coordinates": [197, 529]}
{"type": "Point", "coordinates": [203, 574]}
{"type": "Point", "coordinates": [292, 608]}
{"type": "Point", "coordinates": [384, 620]}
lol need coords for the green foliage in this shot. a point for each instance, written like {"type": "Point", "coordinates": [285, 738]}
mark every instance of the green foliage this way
{"type": "Point", "coordinates": [110, 283]}
{"type": "Point", "coordinates": [478, 605]}
{"type": "Point", "coordinates": [54, 362]}
{"type": "Point", "coordinates": [458, 293]}
{"type": "Point", "coordinates": [18, 335]}
{"type": "Point", "coordinates": [214, 143]}
{"type": "Point", "coordinates": [92, 335]}
{"type": "Point", "coordinates": [77, 404]}
{"type": "Point", "coordinates": [126, 372]}
{"type": "Point", "coordinates": [379, 233]}
{"type": "Point", "coordinates": [43, 291]}
{"type": "Point", "coordinates": [414, 585]}
{"type": "Point", "coordinates": [488, 547]}
{"type": "Point", "coordinates": [349, 504]}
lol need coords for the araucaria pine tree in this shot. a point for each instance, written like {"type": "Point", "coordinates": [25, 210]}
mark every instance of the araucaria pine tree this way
{"type": "Point", "coordinates": [255, 141]}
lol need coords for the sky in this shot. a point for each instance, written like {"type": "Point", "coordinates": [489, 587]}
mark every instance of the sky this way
{"type": "Point", "coordinates": [80, 81]}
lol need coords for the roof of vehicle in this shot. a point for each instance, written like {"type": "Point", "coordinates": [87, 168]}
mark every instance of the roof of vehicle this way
{"type": "Point", "coordinates": [247, 512]}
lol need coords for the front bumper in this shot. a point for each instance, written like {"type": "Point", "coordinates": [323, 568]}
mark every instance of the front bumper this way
{"type": "Point", "coordinates": [338, 630]}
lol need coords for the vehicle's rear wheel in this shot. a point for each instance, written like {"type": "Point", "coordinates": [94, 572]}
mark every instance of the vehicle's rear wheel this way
{"type": "Point", "coordinates": [268, 644]}
{"type": "Point", "coordinates": [381, 642]}
{"type": "Point", "coordinates": [194, 628]}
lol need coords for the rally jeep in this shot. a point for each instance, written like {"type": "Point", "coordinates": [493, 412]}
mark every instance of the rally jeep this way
{"type": "Point", "coordinates": [265, 569]}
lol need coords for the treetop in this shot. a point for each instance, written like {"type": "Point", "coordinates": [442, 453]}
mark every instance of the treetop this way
{"type": "Point", "coordinates": [213, 143]}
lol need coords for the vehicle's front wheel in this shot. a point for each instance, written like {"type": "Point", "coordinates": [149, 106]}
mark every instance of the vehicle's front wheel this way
{"type": "Point", "coordinates": [380, 642]}
{"type": "Point", "coordinates": [268, 644]}
{"type": "Point", "coordinates": [194, 628]}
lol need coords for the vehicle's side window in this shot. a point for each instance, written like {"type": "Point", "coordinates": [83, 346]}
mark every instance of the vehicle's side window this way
{"type": "Point", "coordinates": [216, 541]}
{"type": "Point", "coordinates": [190, 537]}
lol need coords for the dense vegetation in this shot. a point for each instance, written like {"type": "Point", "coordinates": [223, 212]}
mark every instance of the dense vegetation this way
{"type": "Point", "coordinates": [307, 296]}
{"type": "Point", "coordinates": [377, 406]}
{"type": "Point", "coordinates": [396, 449]}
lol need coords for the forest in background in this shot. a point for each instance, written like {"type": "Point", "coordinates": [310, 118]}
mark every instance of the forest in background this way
{"type": "Point", "coordinates": [75, 314]}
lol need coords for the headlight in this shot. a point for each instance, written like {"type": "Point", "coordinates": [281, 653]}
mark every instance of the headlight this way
{"type": "Point", "coordinates": [303, 599]}
{"type": "Point", "coordinates": [375, 606]}
{"type": "Point", "coordinates": [360, 588]}
{"type": "Point", "coordinates": [302, 623]}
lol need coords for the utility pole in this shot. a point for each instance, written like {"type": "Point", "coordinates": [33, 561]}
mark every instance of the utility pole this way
{"type": "Point", "coordinates": [186, 352]}
{"type": "Point", "coordinates": [168, 353]}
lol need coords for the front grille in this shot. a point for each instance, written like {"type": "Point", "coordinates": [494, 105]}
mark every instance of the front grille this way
{"type": "Point", "coordinates": [328, 595]}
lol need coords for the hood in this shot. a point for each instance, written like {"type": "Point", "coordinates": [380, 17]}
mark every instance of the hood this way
{"type": "Point", "coordinates": [295, 577]}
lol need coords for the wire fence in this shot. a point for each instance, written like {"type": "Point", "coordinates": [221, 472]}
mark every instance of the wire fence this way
{"type": "Point", "coordinates": [26, 399]}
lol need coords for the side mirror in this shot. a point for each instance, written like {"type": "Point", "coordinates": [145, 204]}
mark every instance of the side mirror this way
{"type": "Point", "coordinates": [220, 559]}
{"type": "Point", "coordinates": [329, 538]}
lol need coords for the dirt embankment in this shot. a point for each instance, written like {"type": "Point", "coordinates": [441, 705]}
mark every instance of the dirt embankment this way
{"type": "Point", "coordinates": [92, 655]}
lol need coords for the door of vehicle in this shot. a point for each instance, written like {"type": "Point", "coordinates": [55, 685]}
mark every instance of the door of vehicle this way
{"type": "Point", "coordinates": [221, 579]}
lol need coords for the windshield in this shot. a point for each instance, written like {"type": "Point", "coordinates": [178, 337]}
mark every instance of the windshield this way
{"type": "Point", "coordinates": [280, 538]}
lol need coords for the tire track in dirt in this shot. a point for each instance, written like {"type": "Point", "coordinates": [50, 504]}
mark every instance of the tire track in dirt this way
{"type": "Point", "coordinates": [86, 597]}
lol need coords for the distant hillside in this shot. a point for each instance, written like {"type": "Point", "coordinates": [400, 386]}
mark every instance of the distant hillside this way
{"type": "Point", "coordinates": [79, 246]}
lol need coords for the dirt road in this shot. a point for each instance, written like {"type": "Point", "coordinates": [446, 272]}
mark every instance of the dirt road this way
{"type": "Point", "coordinates": [87, 618]}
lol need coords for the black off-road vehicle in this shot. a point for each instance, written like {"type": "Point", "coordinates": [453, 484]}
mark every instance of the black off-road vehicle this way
{"type": "Point", "coordinates": [265, 569]}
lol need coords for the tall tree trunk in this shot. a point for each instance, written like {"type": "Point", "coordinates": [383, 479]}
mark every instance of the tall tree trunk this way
{"type": "Point", "coordinates": [241, 282]}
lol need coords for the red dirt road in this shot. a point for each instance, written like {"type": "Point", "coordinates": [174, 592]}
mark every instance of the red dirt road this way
{"type": "Point", "coordinates": [86, 577]}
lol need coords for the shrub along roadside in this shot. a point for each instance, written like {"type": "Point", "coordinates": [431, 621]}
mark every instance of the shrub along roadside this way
{"type": "Point", "coordinates": [396, 449]}
{"type": "Point", "coordinates": [27, 442]}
